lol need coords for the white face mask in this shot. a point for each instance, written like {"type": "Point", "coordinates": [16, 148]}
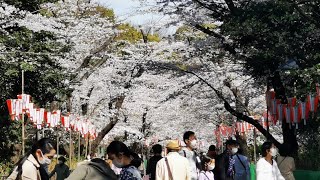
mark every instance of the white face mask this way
{"type": "Point", "coordinates": [234, 150]}
{"type": "Point", "coordinates": [273, 152]}
{"type": "Point", "coordinates": [117, 164]}
{"type": "Point", "coordinates": [211, 167]}
{"type": "Point", "coordinates": [45, 161]}
{"type": "Point", "coordinates": [193, 144]}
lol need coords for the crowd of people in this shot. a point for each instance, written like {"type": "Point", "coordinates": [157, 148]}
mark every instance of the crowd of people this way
{"type": "Point", "coordinates": [180, 163]}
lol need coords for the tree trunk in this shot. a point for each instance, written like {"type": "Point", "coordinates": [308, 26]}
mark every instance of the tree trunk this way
{"type": "Point", "coordinates": [102, 134]}
{"type": "Point", "coordinates": [242, 107]}
{"type": "Point", "coordinates": [288, 133]}
{"type": "Point", "coordinates": [242, 140]}
{"type": "Point", "coordinates": [113, 121]}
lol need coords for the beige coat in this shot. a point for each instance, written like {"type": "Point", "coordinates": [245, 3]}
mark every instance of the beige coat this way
{"type": "Point", "coordinates": [179, 167]}
{"type": "Point", "coordinates": [286, 166]}
{"type": "Point", "coordinates": [29, 170]}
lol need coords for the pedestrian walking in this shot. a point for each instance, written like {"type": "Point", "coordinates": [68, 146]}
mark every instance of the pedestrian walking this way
{"type": "Point", "coordinates": [212, 153]}
{"type": "Point", "coordinates": [33, 165]}
{"type": "Point", "coordinates": [285, 162]}
{"type": "Point", "coordinates": [96, 169]}
{"type": "Point", "coordinates": [124, 158]}
{"type": "Point", "coordinates": [152, 163]}
{"type": "Point", "coordinates": [188, 152]}
{"type": "Point", "coordinates": [61, 169]}
{"type": "Point", "coordinates": [224, 169]}
{"type": "Point", "coordinates": [207, 165]}
{"type": "Point", "coordinates": [267, 168]}
{"type": "Point", "coordinates": [173, 166]}
{"type": "Point", "coordinates": [241, 166]}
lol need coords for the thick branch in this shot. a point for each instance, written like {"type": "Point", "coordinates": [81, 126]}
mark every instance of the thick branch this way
{"type": "Point", "coordinates": [231, 6]}
{"type": "Point", "coordinates": [296, 7]}
{"type": "Point", "coordinates": [180, 91]}
{"type": "Point", "coordinates": [253, 122]}
{"type": "Point", "coordinates": [86, 60]}
{"type": "Point", "coordinates": [236, 94]}
{"type": "Point", "coordinates": [237, 114]}
{"type": "Point", "coordinates": [228, 47]}
{"type": "Point", "coordinates": [109, 126]}
{"type": "Point", "coordinates": [103, 133]}
{"type": "Point", "coordinates": [204, 5]}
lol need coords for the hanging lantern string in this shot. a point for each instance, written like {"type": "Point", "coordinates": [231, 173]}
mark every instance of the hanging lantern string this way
{"type": "Point", "coordinates": [40, 118]}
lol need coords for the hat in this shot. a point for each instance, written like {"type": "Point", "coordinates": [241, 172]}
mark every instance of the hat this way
{"type": "Point", "coordinates": [173, 145]}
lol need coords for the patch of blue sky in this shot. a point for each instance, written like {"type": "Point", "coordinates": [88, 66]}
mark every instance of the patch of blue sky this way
{"type": "Point", "coordinates": [132, 12]}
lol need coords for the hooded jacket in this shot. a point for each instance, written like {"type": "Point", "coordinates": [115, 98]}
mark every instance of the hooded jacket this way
{"type": "Point", "coordinates": [92, 170]}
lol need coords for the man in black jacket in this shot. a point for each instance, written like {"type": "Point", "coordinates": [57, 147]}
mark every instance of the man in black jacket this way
{"type": "Point", "coordinates": [224, 169]}
{"type": "Point", "coordinates": [61, 169]}
{"type": "Point", "coordinates": [152, 163]}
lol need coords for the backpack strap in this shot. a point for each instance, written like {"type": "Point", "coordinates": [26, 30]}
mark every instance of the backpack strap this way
{"type": "Point", "coordinates": [169, 170]}
{"type": "Point", "coordinates": [205, 175]}
{"type": "Point", "coordinates": [241, 163]}
{"type": "Point", "coordinates": [282, 160]}
{"type": "Point", "coordinates": [184, 152]}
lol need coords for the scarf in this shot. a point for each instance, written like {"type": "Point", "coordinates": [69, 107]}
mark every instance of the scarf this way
{"type": "Point", "coordinates": [230, 171]}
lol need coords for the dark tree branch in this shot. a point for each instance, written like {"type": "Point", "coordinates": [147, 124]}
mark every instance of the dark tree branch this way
{"type": "Point", "coordinates": [231, 6]}
{"type": "Point", "coordinates": [228, 47]}
{"type": "Point", "coordinates": [236, 94]}
{"type": "Point", "coordinates": [204, 5]}
{"type": "Point", "coordinates": [237, 114]}
{"type": "Point", "coordinates": [86, 60]}
{"type": "Point", "coordinates": [113, 121]}
{"type": "Point", "coordinates": [179, 92]}
{"type": "Point", "coordinates": [300, 11]}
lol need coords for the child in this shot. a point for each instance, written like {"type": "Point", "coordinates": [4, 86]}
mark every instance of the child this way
{"type": "Point", "coordinates": [207, 166]}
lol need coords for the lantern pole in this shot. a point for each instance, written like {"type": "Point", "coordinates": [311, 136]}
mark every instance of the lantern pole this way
{"type": "Point", "coordinates": [23, 127]}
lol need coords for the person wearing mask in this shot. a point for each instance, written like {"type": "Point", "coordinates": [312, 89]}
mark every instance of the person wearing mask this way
{"type": "Point", "coordinates": [212, 152]}
{"type": "Point", "coordinates": [96, 169]}
{"type": "Point", "coordinates": [241, 166]}
{"type": "Point", "coordinates": [124, 158]}
{"type": "Point", "coordinates": [61, 169]}
{"type": "Point", "coordinates": [285, 162]}
{"type": "Point", "coordinates": [115, 169]}
{"type": "Point", "coordinates": [267, 168]}
{"type": "Point", "coordinates": [224, 169]}
{"type": "Point", "coordinates": [33, 165]}
{"type": "Point", "coordinates": [188, 152]}
{"type": "Point", "coordinates": [173, 166]}
{"type": "Point", "coordinates": [207, 165]}
{"type": "Point", "coordinates": [152, 163]}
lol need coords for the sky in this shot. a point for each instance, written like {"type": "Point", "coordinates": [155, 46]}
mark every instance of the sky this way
{"type": "Point", "coordinates": [127, 10]}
